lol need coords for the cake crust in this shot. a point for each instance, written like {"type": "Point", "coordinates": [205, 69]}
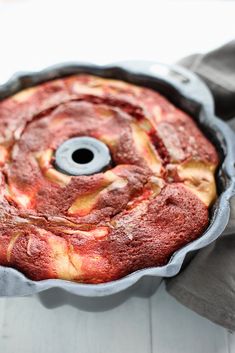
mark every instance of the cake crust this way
{"type": "Point", "coordinates": [153, 200]}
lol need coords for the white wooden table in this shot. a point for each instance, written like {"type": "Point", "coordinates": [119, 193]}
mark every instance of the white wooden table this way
{"type": "Point", "coordinates": [35, 34]}
{"type": "Point", "coordinates": [155, 325]}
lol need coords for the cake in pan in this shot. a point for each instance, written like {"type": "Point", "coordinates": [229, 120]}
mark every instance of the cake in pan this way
{"type": "Point", "coordinates": [149, 201]}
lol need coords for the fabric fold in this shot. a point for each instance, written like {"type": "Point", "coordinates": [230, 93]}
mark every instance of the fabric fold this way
{"type": "Point", "coordinates": [207, 284]}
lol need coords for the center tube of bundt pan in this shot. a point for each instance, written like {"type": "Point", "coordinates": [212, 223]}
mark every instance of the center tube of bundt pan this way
{"type": "Point", "coordinates": [82, 156]}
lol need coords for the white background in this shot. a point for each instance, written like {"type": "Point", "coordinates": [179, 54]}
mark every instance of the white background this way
{"type": "Point", "coordinates": [35, 34]}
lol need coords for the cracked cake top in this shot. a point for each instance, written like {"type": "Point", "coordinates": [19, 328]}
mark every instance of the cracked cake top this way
{"type": "Point", "coordinates": [152, 200]}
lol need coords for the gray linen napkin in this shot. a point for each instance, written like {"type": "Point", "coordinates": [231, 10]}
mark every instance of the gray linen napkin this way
{"type": "Point", "coordinates": [207, 284]}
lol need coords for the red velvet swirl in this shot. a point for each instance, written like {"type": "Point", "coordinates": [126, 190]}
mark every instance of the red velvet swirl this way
{"type": "Point", "coordinates": [152, 201]}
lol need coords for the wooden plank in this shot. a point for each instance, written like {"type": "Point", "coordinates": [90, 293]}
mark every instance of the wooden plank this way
{"type": "Point", "coordinates": [231, 341]}
{"type": "Point", "coordinates": [2, 313]}
{"type": "Point", "coordinates": [29, 327]}
{"type": "Point", "coordinates": [178, 329]}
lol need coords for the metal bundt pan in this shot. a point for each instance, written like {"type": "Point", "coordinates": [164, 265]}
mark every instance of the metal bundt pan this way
{"type": "Point", "coordinates": [186, 91]}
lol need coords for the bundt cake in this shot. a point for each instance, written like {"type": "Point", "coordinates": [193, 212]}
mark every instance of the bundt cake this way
{"type": "Point", "coordinates": [149, 201]}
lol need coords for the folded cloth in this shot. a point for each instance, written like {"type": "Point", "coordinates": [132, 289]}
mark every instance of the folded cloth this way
{"type": "Point", "coordinates": [207, 284]}
{"type": "Point", "coordinates": [217, 69]}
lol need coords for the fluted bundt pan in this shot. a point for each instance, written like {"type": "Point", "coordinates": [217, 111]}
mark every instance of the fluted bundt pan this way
{"type": "Point", "coordinates": [86, 149]}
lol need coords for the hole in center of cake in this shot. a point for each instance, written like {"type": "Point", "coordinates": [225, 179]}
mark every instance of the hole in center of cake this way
{"type": "Point", "coordinates": [82, 156]}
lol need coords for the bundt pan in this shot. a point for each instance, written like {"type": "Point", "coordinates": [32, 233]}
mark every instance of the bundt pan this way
{"type": "Point", "coordinates": [190, 94]}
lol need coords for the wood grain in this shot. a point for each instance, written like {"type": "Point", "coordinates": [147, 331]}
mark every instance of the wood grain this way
{"type": "Point", "coordinates": [178, 329]}
{"type": "Point", "coordinates": [231, 341]}
{"type": "Point", "coordinates": [156, 325]}
{"type": "Point", "coordinates": [29, 327]}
